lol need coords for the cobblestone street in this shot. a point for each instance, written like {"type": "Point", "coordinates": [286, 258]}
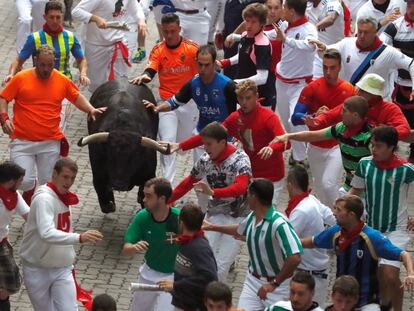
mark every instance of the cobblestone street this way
{"type": "Point", "coordinates": [101, 267]}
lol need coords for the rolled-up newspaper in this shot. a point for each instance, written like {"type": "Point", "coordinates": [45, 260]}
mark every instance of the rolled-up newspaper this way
{"type": "Point", "coordinates": [118, 25]}
{"type": "Point", "coordinates": [144, 287]}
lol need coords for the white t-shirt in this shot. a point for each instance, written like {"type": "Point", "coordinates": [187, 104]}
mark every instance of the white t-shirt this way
{"type": "Point", "coordinates": [368, 9]}
{"type": "Point", "coordinates": [389, 60]}
{"type": "Point", "coordinates": [333, 33]}
{"type": "Point", "coordinates": [106, 9]}
{"type": "Point", "coordinates": [308, 219]}
{"type": "Point", "coordinates": [354, 6]}
{"type": "Point", "coordinates": [6, 215]}
{"type": "Point", "coordinates": [190, 4]}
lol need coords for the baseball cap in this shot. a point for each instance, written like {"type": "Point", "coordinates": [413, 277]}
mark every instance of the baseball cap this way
{"type": "Point", "coordinates": [373, 84]}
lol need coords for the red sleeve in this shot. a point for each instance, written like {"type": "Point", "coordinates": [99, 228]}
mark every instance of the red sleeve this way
{"type": "Point", "coordinates": [275, 126]}
{"type": "Point", "coordinates": [230, 124]}
{"type": "Point", "coordinates": [306, 96]}
{"type": "Point", "coordinates": [183, 187]}
{"type": "Point", "coordinates": [191, 142]}
{"type": "Point", "coordinates": [329, 118]}
{"type": "Point", "coordinates": [238, 188]}
{"type": "Point", "coordinates": [394, 117]}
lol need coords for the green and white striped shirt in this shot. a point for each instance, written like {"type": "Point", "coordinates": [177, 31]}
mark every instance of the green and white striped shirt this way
{"type": "Point", "coordinates": [269, 242]}
{"type": "Point", "coordinates": [386, 193]}
{"type": "Point", "coordinates": [287, 306]}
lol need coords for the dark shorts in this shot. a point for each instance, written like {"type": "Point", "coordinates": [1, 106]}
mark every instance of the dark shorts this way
{"type": "Point", "coordinates": [10, 278]}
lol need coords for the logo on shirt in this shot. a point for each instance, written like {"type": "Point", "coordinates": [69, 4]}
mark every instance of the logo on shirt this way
{"type": "Point", "coordinates": [297, 36]}
{"type": "Point", "coordinates": [182, 57]}
{"type": "Point", "coordinates": [215, 92]}
{"type": "Point", "coordinates": [198, 91]}
{"type": "Point", "coordinates": [170, 237]}
{"type": "Point", "coordinates": [391, 179]}
{"type": "Point", "coordinates": [372, 62]}
{"type": "Point", "coordinates": [360, 253]}
{"type": "Point", "coordinates": [348, 59]}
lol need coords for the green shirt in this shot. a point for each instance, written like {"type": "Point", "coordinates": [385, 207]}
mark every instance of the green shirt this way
{"type": "Point", "coordinates": [352, 149]}
{"type": "Point", "coordinates": [161, 254]}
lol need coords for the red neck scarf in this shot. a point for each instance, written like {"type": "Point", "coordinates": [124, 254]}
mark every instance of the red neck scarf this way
{"type": "Point", "coordinates": [9, 198]}
{"type": "Point", "coordinates": [68, 198]}
{"type": "Point", "coordinates": [346, 237]}
{"type": "Point", "coordinates": [393, 162]}
{"type": "Point", "coordinates": [183, 239]}
{"type": "Point", "coordinates": [377, 42]}
{"type": "Point", "coordinates": [410, 23]}
{"type": "Point", "coordinates": [51, 32]}
{"type": "Point", "coordinates": [225, 154]}
{"type": "Point", "coordinates": [295, 200]}
{"type": "Point", "coordinates": [298, 22]}
{"type": "Point", "coordinates": [353, 129]}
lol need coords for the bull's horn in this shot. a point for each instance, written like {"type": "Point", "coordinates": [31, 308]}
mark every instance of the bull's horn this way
{"type": "Point", "coordinates": [100, 137]}
{"type": "Point", "coordinates": [150, 143]}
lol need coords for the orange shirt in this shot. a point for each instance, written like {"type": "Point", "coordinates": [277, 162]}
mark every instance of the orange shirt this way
{"type": "Point", "coordinates": [318, 93]}
{"type": "Point", "coordinates": [175, 66]}
{"type": "Point", "coordinates": [37, 106]}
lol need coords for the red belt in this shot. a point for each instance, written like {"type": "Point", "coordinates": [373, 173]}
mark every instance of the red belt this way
{"type": "Point", "coordinates": [124, 52]}
{"type": "Point", "coordinates": [259, 277]}
{"type": "Point", "coordinates": [307, 79]}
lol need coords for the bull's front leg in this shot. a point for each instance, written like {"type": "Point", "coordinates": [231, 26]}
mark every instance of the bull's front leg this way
{"type": "Point", "coordinates": [105, 195]}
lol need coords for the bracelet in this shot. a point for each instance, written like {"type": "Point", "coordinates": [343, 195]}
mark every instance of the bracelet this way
{"type": "Point", "coordinates": [4, 116]}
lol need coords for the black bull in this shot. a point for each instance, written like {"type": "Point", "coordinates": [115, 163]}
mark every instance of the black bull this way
{"type": "Point", "coordinates": [118, 150]}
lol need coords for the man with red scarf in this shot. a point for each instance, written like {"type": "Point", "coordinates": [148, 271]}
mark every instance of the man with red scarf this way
{"type": "Point", "coordinates": [195, 265]}
{"type": "Point", "coordinates": [386, 178]}
{"type": "Point", "coordinates": [47, 252]}
{"type": "Point", "coordinates": [358, 248]}
{"type": "Point", "coordinates": [11, 202]}
{"type": "Point", "coordinates": [308, 217]}
{"type": "Point", "coordinates": [366, 53]}
{"type": "Point", "coordinates": [400, 34]}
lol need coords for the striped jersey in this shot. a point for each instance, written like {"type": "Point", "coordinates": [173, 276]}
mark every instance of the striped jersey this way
{"type": "Point", "coordinates": [400, 35]}
{"type": "Point", "coordinates": [287, 306]}
{"type": "Point", "coordinates": [269, 242]}
{"type": "Point", "coordinates": [352, 149]}
{"type": "Point", "coordinates": [64, 43]}
{"type": "Point", "coordinates": [386, 193]}
{"type": "Point", "coordinates": [361, 258]}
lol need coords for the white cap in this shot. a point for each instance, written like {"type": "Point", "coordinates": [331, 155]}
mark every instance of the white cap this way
{"type": "Point", "coordinates": [373, 84]}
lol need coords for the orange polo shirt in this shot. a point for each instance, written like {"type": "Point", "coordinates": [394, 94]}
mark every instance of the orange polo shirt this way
{"type": "Point", "coordinates": [37, 104]}
{"type": "Point", "coordinates": [175, 66]}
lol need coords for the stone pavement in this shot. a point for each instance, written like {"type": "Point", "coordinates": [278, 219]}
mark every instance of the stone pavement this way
{"type": "Point", "coordinates": [101, 267]}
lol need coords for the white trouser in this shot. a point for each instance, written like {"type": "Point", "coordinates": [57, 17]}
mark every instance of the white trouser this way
{"type": "Point", "coordinates": [157, 13]}
{"type": "Point", "coordinates": [175, 126]}
{"type": "Point", "coordinates": [250, 301]}
{"type": "Point", "coordinates": [29, 12]}
{"type": "Point", "coordinates": [326, 167]}
{"type": "Point", "coordinates": [399, 238]}
{"type": "Point", "coordinates": [214, 8]}
{"type": "Point", "coordinates": [201, 197]}
{"type": "Point", "coordinates": [155, 301]}
{"type": "Point", "coordinates": [287, 97]}
{"type": "Point", "coordinates": [65, 114]}
{"type": "Point", "coordinates": [321, 290]}
{"type": "Point", "coordinates": [277, 189]}
{"type": "Point", "coordinates": [225, 247]}
{"type": "Point", "coordinates": [99, 64]}
{"type": "Point", "coordinates": [195, 26]}
{"type": "Point", "coordinates": [32, 156]}
{"type": "Point", "coordinates": [50, 289]}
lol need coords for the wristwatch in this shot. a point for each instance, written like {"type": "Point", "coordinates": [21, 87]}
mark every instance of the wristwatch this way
{"type": "Point", "coordinates": [275, 282]}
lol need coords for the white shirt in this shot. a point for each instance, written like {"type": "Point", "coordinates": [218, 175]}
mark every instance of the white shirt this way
{"type": "Point", "coordinates": [333, 33]}
{"type": "Point", "coordinates": [389, 60]}
{"type": "Point", "coordinates": [105, 9]}
{"type": "Point", "coordinates": [368, 9]}
{"type": "Point", "coordinates": [287, 306]}
{"type": "Point", "coordinates": [190, 4]}
{"type": "Point", "coordinates": [48, 238]}
{"type": "Point", "coordinates": [6, 215]}
{"type": "Point", "coordinates": [297, 53]}
{"type": "Point", "coordinates": [354, 6]}
{"type": "Point", "coordinates": [308, 218]}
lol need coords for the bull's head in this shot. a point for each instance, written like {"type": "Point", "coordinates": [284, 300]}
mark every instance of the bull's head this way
{"type": "Point", "coordinates": [123, 154]}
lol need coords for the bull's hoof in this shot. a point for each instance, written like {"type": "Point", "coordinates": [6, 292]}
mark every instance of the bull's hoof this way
{"type": "Point", "coordinates": [108, 208]}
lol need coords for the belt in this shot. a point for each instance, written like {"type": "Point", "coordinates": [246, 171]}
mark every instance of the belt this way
{"type": "Point", "coordinates": [318, 273]}
{"type": "Point", "coordinates": [189, 11]}
{"type": "Point", "coordinates": [259, 277]}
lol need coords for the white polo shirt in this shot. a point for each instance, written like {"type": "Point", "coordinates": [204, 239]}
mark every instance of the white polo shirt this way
{"type": "Point", "coordinates": [308, 218]}
{"type": "Point", "coordinates": [297, 53]}
{"type": "Point", "coordinates": [6, 215]}
{"type": "Point", "coordinates": [333, 33]}
{"type": "Point", "coordinates": [368, 9]}
{"type": "Point", "coordinates": [389, 60]}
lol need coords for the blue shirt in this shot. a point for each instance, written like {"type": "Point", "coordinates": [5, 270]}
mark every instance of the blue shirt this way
{"type": "Point", "coordinates": [215, 100]}
{"type": "Point", "coordinates": [361, 258]}
{"type": "Point", "coordinates": [63, 43]}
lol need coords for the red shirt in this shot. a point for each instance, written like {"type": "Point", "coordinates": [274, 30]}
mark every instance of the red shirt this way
{"type": "Point", "coordinates": [318, 93]}
{"type": "Point", "coordinates": [380, 112]}
{"type": "Point", "coordinates": [255, 130]}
